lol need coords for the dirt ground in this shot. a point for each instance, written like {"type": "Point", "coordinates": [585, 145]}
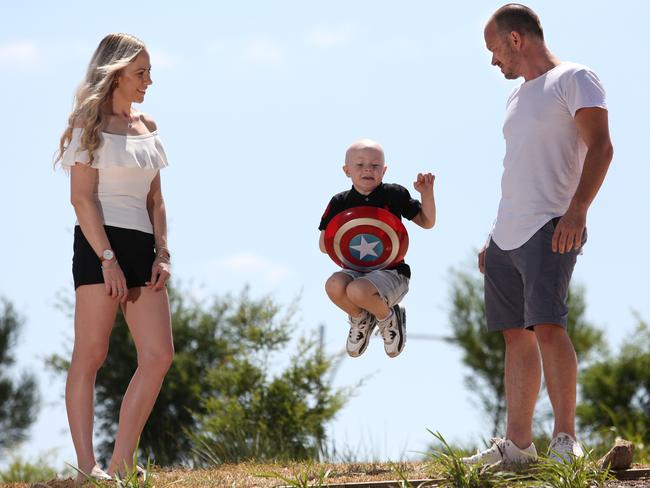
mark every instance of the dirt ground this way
{"type": "Point", "coordinates": [247, 475]}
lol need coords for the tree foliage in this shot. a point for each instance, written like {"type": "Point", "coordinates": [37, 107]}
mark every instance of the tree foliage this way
{"type": "Point", "coordinates": [249, 415]}
{"type": "Point", "coordinates": [19, 398]}
{"type": "Point", "coordinates": [483, 351]}
{"type": "Point", "coordinates": [615, 392]}
{"type": "Point", "coordinates": [225, 384]}
{"type": "Point", "coordinates": [20, 470]}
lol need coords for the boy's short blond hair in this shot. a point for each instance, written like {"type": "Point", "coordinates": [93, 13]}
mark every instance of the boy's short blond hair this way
{"type": "Point", "coordinates": [360, 145]}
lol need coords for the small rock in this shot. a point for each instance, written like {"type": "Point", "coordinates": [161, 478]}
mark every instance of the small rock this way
{"type": "Point", "coordinates": [619, 457]}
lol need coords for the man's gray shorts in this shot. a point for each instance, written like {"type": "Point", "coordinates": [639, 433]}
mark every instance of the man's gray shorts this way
{"type": "Point", "coordinates": [529, 285]}
{"type": "Point", "coordinates": [391, 285]}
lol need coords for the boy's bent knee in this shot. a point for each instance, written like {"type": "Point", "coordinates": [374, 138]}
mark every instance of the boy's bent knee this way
{"type": "Point", "coordinates": [360, 290]}
{"type": "Point", "coordinates": [336, 284]}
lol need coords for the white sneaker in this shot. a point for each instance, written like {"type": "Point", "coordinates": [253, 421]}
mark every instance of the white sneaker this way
{"type": "Point", "coordinates": [360, 330]}
{"type": "Point", "coordinates": [564, 447]}
{"type": "Point", "coordinates": [503, 450]}
{"type": "Point", "coordinates": [393, 330]}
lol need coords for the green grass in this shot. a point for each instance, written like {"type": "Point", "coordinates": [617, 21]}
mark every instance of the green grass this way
{"type": "Point", "coordinates": [581, 472]}
{"type": "Point", "coordinates": [446, 463]}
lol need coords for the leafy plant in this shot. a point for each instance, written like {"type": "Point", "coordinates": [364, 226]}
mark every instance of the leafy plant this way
{"type": "Point", "coordinates": [22, 471]}
{"type": "Point", "coordinates": [447, 463]}
{"type": "Point", "coordinates": [405, 483]}
{"type": "Point", "coordinates": [574, 472]}
{"type": "Point", "coordinates": [250, 414]}
{"type": "Point", "coordinates": [19, 398]}
{"type": "Point", "coordinates": [615, 395]}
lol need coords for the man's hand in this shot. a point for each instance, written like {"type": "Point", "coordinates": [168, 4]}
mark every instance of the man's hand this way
{"type": "Point", "coordinates": [424, 183]}
{"type": "Point", "coordinates": [569, 231]}
{"type": "Point", "coordinates": [593, 128]}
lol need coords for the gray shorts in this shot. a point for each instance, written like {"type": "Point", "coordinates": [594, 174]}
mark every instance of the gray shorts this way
{"type": "Point", "coordinates": [391, 285]}
{"type": "Point", "coordinates": [528, 285]}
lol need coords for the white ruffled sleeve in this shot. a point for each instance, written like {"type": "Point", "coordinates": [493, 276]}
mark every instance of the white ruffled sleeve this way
{"type": "Point", "coordinates": [72, 154]}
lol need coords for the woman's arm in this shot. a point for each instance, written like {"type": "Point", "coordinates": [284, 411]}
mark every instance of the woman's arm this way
{"type": "Point", "coordinates": [83, 181]}
{"type": "Point", "coordinates": [156, 208]}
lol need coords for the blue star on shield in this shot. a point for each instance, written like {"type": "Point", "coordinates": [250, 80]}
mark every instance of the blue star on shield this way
{"type": "Point", "coordinates": [366, 247]}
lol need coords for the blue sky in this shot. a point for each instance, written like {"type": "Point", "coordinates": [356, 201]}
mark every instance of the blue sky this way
{"type": "Point", "coordinates": [256, 103]}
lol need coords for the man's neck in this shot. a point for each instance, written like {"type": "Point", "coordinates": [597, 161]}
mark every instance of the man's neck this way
{"type": "Point", "coordinates": [539, 62]}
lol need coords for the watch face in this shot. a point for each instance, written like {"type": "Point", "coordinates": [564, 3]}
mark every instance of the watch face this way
{"type": "Point", "coordinates": [108, 254]}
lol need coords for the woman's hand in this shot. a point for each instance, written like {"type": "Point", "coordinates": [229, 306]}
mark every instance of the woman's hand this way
{"type": "Point", "coordinates": [114, 280]}
{"type": "Point", "coordinates": [159, 274]}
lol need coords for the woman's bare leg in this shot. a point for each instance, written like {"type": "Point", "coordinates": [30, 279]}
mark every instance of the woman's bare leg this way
{"type": "Point", "coordinates": [94, 317]}
{"type": "Point", "coordinates": [149, 321]}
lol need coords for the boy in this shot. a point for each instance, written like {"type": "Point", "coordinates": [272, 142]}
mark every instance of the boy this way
{"type": "Point", "coordinates": [371, 299]}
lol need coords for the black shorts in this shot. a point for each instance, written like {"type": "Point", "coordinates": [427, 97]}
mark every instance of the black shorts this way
{"type": "Point", "coordinates": [134, 250]}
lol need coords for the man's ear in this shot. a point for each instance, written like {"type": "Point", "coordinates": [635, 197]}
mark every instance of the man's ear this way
{"type": "Point", "coordinates": [385, 168]}
{"type": "Point", "coordinates": [515, 39]}
{"type": "Point", "coordinates": [345, 170]}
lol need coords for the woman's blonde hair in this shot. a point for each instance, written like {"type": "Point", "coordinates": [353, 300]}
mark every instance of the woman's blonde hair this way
{"type": "Point", "coordinates": [115, 52]}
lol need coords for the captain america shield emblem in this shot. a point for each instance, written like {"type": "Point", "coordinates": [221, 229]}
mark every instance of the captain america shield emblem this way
{"type": "Point", "coordinates": [366, 239]}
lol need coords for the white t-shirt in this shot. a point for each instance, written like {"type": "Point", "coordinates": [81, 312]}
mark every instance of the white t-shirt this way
{"type": "Point", "coordinates": [126, 167]}
{"type": "Point", "coordinates": [544, 153]}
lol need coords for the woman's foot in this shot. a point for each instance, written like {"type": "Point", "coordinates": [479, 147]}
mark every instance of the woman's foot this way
{"type": "Point", "coordinates": [95, 473]}
{"type": "Point", "coordinates": [140, 473]}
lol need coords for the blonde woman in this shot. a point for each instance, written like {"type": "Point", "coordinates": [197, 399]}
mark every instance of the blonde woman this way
{"type": "Point", "coordinates": [114, 156]}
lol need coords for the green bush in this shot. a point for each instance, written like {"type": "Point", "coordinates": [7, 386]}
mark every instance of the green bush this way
{"type": "Point", "coordinates": [22, 471]}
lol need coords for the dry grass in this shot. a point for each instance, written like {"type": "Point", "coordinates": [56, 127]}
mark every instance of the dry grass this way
{"type": "Point", "coordinates": [247, 475]}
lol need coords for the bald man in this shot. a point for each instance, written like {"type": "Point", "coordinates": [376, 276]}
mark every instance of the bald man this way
{"type": "Point", "coordinates": [558, 151]}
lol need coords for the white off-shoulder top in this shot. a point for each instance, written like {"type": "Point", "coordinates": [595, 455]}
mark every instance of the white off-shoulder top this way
{"type": "Point", "coordinates": [126, 167]}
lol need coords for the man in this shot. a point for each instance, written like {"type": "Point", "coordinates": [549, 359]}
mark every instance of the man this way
{"type": "Point", "coordinates": [558, 151]}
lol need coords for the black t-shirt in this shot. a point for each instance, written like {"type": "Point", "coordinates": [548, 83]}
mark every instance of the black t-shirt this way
{"type": "Point", "coordinates": [392, 197]}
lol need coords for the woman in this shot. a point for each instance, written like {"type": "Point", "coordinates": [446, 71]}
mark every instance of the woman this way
{"type": "Point", "coordinates": [114, 155]}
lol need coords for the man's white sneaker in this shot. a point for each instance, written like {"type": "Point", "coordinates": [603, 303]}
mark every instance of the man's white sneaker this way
{"type": "Point", "coordinates": [393, 330]}
{"type": "Point", "coordinates": [503, 450]}
{"type": "Point", "coordinates": [564, 447]}
{"type": "Point", "coordinates": [360, 330]}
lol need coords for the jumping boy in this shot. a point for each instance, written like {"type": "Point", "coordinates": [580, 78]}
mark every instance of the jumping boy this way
{"type": "Point", "coordinates": [371, 299]}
